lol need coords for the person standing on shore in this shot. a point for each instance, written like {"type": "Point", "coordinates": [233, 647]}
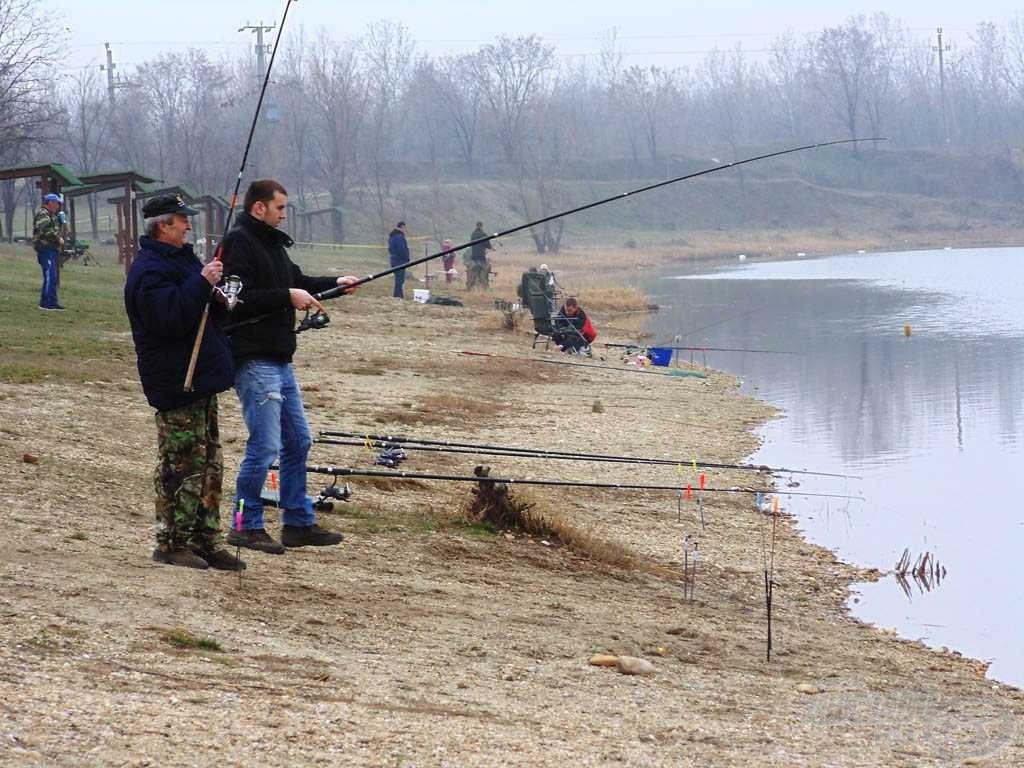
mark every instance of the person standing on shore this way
{"type": "Point", "coordinates": [49, 234]}
{"type": "Point", "coordinates": [398, 251]}
{"type": "Point", "coordinates": [272, 287]}
{"type": "Point", "coordinates": [479, 266]}
{"type": "Point", "coordinates": [449, 260]}
{"type": "Point", "coordinates": [164, 295]}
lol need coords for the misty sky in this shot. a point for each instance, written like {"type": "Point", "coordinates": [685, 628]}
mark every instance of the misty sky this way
{"type": "Point", "coordinates": [666, 32]}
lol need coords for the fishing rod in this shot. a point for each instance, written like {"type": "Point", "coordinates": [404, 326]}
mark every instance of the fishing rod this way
{"type": "Point", "coordinates": [190, 373]}
{"type": "Point", "coordinates": [340, 290]}
{"type": "Point", "coordinates": [724, 320]}
{"type": "Point", "coordinates": [410, 443]}
{"type": "Point", "coordinates": [701, 349]}
{"type": "Point", "coordinates": [674, 373]}
{"type": "Point", "coordinates": [321, 469]}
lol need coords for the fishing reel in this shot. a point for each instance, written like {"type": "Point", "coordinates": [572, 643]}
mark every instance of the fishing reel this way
{"type": "Point", "coordinates": [323, 503]}
{"type": "Point", "coordinates": [230, 290]}
{"type": "Point", "coordinates": [313, 321]}
{"type": "Point", "coordinates": [390, 457]}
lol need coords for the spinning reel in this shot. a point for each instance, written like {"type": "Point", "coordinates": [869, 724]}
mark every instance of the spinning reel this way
{"type": "Point", "coordinates": [230, 290]}
{"type": "Point", "coordinates": [313, 321]}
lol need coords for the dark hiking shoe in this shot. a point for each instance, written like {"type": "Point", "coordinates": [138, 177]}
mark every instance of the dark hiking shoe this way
{"type": "Point", "coordinates": [221, 559]}
{"type": "Point", "coordinates": [308, 536]}
{"type": "Point", "coordinates": [182, 557]}
{"type": "Point", "coordinates": [257, 539]}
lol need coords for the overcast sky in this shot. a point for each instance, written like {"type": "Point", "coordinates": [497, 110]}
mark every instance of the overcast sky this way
{"type": "Point", "coordinates": [666, 32]}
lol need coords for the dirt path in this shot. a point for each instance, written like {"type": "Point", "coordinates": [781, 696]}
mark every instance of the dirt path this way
{"type": "Point", "coordinates": [422, 642]}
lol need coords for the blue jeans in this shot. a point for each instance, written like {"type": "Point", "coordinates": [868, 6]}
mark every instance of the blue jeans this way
{"type": "Point", "coordinates": [273, 412]}
{"type": "Point", "coordinates": [49, 262]}
{"type": "Point", "coordinates": [399, 292]}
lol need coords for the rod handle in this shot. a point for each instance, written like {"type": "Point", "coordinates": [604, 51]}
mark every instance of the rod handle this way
{"type": "Point", "coordinates": [190, 374]}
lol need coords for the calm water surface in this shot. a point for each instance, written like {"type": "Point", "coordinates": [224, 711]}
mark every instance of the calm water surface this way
{"type": "Point", "coordinates": [932, 422]}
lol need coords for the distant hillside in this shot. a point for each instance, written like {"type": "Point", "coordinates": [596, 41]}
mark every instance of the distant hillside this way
{"type": "Point", "coordinates": [898, 196]}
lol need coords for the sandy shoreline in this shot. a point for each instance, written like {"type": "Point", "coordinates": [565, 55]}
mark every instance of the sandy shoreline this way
{"type": "Point", "coordinates": [422, 642]}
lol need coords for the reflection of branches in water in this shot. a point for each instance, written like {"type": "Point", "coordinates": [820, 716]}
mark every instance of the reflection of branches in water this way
{"type": "Point", "coordinates": [927, 572]}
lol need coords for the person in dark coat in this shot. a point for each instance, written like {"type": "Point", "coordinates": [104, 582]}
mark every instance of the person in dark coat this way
{"type": "Point", "coordinates": [478, 268]}
{"type": "Point", "coordinates": [398, 251]}
{"type": "Point", "coordinates": [272, 288]}
{"type": "Point", "coordinates": [164, 296]}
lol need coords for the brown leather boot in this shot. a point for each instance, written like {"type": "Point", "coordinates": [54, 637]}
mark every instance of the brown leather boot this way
{"type": "Point", "coordinates": [220, 559]}
{"type": "Point", "coordinates": [182, 557]}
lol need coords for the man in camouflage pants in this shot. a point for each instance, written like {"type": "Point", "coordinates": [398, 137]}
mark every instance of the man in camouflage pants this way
{"type": "Point", "coordinates": [49, 234]}
{"type": "Point", "coordinates": [188, 478]}
{"type": "Point", "coordinates": [164, 295]}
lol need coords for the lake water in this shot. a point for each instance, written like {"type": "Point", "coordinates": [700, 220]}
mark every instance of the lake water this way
{"type": "Point", "coordinates": [933, 422]}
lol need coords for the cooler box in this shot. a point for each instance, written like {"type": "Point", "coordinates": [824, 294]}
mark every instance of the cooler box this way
{"type": "Point", "coordinates": [421, 295]}
{"type": "Point", "coordinates": [660, 355]}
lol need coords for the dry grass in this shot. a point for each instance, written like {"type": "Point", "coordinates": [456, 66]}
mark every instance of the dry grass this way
{"type": "Point", "coordinates": [495, 503]}
{"type": "Point", "coordinates": [438, 409]}
{"type": "Point", "coordinates": [496, 320]}
{"type": "Point", "coordinates": [619, 299]}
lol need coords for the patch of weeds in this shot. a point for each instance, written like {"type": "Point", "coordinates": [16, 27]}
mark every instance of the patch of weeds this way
{"type": "Point", "coordinates": [352, 512]}
{"type": "Point", "coordinates": [42, 640]}
{"type": "Point", "coordinates": [78, 536]}
{"type": "Point", "coordinates": [482, 528]}
{"type": "Point", "coordinates": [180, 637]}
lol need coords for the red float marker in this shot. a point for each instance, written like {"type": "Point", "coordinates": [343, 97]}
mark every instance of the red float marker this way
{"type": "Point", "coordinates": [702, 481]}
{"type": "Point", "coordinates": [689, 492]}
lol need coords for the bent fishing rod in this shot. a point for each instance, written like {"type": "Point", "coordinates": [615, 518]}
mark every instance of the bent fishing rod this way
{"type": "Point", "coordinates": [338, 291]}
{"type": "Point", "coordinates": [321, 469]}
{"type": "Point", "coordinates": [700, 349]}
{"type": "Point", "coordinates": [190, 373]}
{"type": "Point", "coordinates": [333, 293]}
{"type": "Point", "coordinates": [410, 443]}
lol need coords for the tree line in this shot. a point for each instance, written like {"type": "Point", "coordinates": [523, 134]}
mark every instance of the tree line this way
{"type": "Point", "coordinates": [346, 121]}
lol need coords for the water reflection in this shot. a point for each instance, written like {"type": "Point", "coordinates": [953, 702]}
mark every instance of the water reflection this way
{"type": "Point", "coordinates": [931, 421]}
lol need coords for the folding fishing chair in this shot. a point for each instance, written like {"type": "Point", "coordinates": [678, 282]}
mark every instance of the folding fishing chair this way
{"type": "Point", "coordinates": [540, 294]}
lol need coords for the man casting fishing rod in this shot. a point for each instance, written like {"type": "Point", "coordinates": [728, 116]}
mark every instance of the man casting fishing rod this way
{"type": "Point", "coordinates": [273, 288]}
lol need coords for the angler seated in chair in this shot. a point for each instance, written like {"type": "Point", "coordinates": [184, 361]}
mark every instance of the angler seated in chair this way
{"type": "Point", "coordinates": [572, 330]}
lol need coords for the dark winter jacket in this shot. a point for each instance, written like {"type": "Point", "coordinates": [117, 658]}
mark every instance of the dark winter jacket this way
{"type": "Point", "coordinates": [164, 296]}
{"type": "Point", "coordinates": [256, 253]}
{"type": "Point", "coordinates": [398, 248]}
{"type": "Point", "coordinates": [479, 251]}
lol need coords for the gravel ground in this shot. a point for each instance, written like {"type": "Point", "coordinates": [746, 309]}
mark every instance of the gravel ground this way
{"type": "Point", "coordinates": [423, 642]}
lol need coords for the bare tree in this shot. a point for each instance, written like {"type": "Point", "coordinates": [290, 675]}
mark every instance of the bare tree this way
{"type": "Point", "coordinates": [843, 58]}
{"type": "Point", "coordinates": [730, 83]}
{"type": "Point", "coordinates": [87, 129]}
{"type": "Point", "coordinates": [338, 96]}
{"type": "Point", "coordinates": [890, 39]}
{"type": "Point", "coordinates": [453, 82]}
{"type": "Point", "coordinates": [548, 134]}
{"type": "Point", "coordinates": [509, 72]}
{"type": "Point", "coordinates": [787, 70]}
{"type": "Point", "coordinates": [642, 95]}
{"type": "Point", "coordinates": [28, 112]}
{"type": "Point", "coordinates": [388, 50]}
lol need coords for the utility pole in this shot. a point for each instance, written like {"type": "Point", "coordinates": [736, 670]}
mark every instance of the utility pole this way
{"type": "Point", "coordinates": [109, 69]}
{"type": "Point", "coordinates": [261, 49]}
{"type": "Point", "coordinates": [942, 85]}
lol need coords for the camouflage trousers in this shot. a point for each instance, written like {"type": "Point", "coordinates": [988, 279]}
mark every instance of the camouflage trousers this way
{"type": "Point", "coordinates": [188, 476]}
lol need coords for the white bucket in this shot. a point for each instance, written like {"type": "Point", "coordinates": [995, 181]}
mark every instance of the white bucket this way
{"type": "Point", "coordinates": [421, 295]}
